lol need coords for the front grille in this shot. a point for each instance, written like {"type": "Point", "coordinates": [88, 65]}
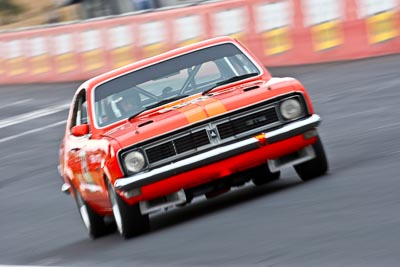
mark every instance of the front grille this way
{"type": "Point", "coordinates": [207, 135]}
{"type": "Point", "coordinates": [191, 141]}
{"type": "Point", "coordinates": [247, 123]}
{"type": "Point", "coordinates": [181, 144]}
{"type": "Point", "coordinates": [159, 152]}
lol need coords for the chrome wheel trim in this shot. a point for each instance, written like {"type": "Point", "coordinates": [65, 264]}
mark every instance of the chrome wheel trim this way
{"type": "Point", "coordinates": [116, 212]}
{"type": "Point", "coordinates": [85, 216]}
{"type": "Point", "coordinates": [84, 212]}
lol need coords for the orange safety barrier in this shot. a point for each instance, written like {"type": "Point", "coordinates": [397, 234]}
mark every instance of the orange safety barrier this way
{"type": "Point", "coordinates": [279, 32]}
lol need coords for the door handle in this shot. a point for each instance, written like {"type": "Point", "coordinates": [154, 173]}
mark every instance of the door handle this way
{"type": "Point", "coordinates": [75, 149]}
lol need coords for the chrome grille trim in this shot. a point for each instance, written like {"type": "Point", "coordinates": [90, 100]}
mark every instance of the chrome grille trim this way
{"type": "Point", "coordinates": [202, 137]}
{"type": "Point", "coordinates": [215, 154]}
{"type": "Point", "coordinates": [245, 123]}
{"type": "Point", "coordinates": [180, 144]}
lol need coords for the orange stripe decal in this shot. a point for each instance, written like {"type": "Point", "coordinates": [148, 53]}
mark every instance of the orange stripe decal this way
{"type": "Point", "coordinates": [193, 114]}
{"type": "Point", "coordinates": [214, 108]}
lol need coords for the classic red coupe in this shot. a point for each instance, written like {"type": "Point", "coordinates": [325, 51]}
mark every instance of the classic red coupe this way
{"type": "Point", "coordinates": [194, 121]}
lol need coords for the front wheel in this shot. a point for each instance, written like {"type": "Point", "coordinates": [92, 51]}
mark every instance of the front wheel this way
{"type": "Point", "coordinates": [315, 167]}
{"type": "Point", "coordinates": [130, 222]}
{"type": "Point", "coordinates": [94, 223]}
{"type": "Point", "coordinates": [261, 175]}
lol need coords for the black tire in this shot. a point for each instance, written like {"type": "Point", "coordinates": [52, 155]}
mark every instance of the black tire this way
{"type": "Point", "coordinates": [94, 223]}
{"type": "Point", "coordinates": [130, 222]}
{"type": "Point", "coordinates": [261, 175]}
{"type": "Point", "coordinates": [316, 167]}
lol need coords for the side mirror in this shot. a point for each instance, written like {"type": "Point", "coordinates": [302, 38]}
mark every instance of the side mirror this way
{"type": "Point", "coordinates": [80, 130]}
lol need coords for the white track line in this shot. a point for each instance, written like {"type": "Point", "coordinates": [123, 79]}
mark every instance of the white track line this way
{"type": "Point", "coordinates": [16, 103]}
{"type": "Point", "coordinates": [30, 132]}
{"type": "Point", "coordinates": [32, 115]}
{"type": "Point", "coordinates": [22, 266]}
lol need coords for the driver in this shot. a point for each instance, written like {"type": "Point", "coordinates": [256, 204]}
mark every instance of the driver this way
{"type": "Point", "coordinates": [128, 105]}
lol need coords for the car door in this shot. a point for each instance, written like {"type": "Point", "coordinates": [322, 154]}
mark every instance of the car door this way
{"type": "Point", "coordinates": [87, 156]}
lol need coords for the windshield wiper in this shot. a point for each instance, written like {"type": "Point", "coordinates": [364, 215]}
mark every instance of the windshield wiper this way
{"type": "Point", "coordinates": [162, 102]}
{"type": "Point", "coordinates": [165, 101]}
{"type": "Point", "coordinates": [230, 80]}
{"type": "Point", "coordinates": [137, 113]}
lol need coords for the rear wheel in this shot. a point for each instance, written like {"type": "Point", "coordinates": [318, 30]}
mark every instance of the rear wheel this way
{"type": "Point", "coordinates": [94, 223]}
{"type": "Point", "coordinates": [130, 222]}
{"type": "Point", "coordinates": [315, 167]}
{"type": "Point", "coordinates": [261, 175]}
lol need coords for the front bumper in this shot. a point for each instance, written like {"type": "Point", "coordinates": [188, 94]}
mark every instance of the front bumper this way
{"type": "Point", "coordinates": [217, 154]}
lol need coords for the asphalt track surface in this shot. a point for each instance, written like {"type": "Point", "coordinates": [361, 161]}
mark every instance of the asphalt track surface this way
{"type": "Point", "coordinates": [349, 217]}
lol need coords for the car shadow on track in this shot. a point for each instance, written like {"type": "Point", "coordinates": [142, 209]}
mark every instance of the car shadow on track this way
{"type": "Point", "coordinates": [203, 207]}
{"type": "Point", "coordinates": [67, 253]}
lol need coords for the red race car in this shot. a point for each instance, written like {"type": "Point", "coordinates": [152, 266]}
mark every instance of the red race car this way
{"type": "Point", "coordinates": [196, 120]}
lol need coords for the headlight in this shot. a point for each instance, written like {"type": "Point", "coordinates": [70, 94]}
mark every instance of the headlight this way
{"type": "Point", "coordinates": [291, 109]}
{"type": "Point", "coordinates": [134, 161]}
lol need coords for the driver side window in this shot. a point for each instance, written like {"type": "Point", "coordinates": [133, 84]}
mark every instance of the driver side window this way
{"type": "Point", "coordinates": [80, 114]}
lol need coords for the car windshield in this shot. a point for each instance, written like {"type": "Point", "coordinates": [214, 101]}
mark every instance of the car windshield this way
{"type": "Point", "coordinates": [155, 85]}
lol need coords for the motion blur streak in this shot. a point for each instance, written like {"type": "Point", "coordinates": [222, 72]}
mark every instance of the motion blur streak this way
{"type": "Point", "coordinates": [32, 115]}
{"type": "Point", "coordinates": [281, 32]}
{"type": "Point", "coordinates": [31, 131]}
{"type": "Point", "coordinates": [348, 218]}
{"type": "Point", "coordinates": [15, 103]}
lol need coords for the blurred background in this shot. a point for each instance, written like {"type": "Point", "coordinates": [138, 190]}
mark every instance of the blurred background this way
{"type": "Point", "coordinates": [26, 13]}
{"type": "Point", "coordinates": [70, 40]}
{"type": "Point", "coordinates": [345, 52]}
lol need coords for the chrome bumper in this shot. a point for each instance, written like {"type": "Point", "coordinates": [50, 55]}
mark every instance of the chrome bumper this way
{"type": "Point", "coordinates": [216, 154]}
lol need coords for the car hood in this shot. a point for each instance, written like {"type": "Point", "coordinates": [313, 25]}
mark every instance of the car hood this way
{"type": "Point", "coordinates": [184, 112]}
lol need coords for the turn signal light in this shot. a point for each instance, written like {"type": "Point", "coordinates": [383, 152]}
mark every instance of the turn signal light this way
{"type": "Point", "coordinates": [133, 193]}
{"type": "Point", "coordinates": [261, 138]}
